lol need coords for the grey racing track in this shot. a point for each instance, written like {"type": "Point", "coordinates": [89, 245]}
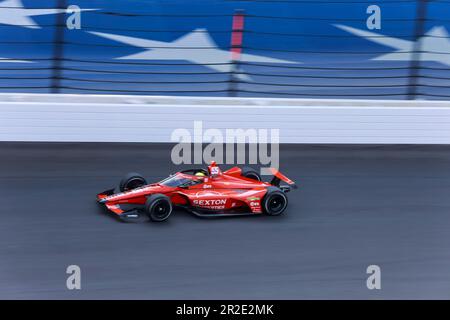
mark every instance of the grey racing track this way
{"type": "Point", "coordinates": [356, 206]}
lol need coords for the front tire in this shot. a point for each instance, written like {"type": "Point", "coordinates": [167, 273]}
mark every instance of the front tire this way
{"type": "Point", "coordinates": [158, 207]}
{"type": "Point", "coordinates": [131, 181]}
{"type": "Point", "coordinates": [274, 202]}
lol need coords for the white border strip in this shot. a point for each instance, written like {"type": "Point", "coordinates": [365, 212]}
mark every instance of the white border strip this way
{"type": "Point", "coordinates": [111, 118]}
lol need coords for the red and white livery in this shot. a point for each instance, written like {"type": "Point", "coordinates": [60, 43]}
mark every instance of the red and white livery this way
{"type": "Point", "coordinates": [206, 193]}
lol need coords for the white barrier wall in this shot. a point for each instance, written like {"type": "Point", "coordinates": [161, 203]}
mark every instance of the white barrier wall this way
{"type": "Point", "coordinates": [90, 118]}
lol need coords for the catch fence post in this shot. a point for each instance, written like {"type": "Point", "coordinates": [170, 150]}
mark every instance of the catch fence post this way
{"type": "Point", "coordinates": [237, 35]}
{"type": "Point", "coordinates": [416, 54]}
{"type": "Point", "coordinates": [58, 48]}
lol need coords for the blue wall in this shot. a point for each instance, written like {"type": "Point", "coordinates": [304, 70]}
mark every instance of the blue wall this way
{"type": "Point", "coordinates": [326, 61]}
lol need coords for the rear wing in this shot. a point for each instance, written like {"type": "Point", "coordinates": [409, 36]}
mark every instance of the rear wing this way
{"type": "Point", "coordinates": [278, 177]}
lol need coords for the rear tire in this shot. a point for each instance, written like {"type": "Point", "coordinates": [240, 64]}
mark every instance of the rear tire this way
{"type": "Point", "coordinates": [132, 181]}
{"type": "Point", "coordinates": [158, 207]}
{"type": "Point", "coordinates": [274, 202]}
{"type": "Point", "coordinates": [250, 173]}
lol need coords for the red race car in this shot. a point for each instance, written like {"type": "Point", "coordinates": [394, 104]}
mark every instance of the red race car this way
{"type": "Point", "coordinates": [206, 193]}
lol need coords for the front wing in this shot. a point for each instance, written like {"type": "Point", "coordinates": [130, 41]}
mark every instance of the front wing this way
{"type": "Point", "coordinates": [123, 211]}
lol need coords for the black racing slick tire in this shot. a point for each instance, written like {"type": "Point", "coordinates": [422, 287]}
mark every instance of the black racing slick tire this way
{"type": "Point", "coordinates": [250, 173]}
{"type": "Point", "coordinates": [158, 207]}
{"type": "Point", "coordinates": [132, 181]}
{"type": "Point", "coordinates": [274, 202]}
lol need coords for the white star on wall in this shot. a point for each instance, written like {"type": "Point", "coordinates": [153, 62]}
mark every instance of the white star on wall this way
{"type": "Point", "coordinates": [13, 13]}
{"type": "Point", "coordinates": [13, 61]}
{"type": "Point", "coordinates": [435, 43]}
{"type": "Point", "coordinates": [207, 51]}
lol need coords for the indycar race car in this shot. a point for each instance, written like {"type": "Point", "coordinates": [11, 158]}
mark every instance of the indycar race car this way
{"type": "Point", "coordinates": [205, 193]}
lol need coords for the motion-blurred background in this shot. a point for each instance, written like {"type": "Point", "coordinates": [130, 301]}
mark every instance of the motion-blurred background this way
{"type": "Point", "coordinates": [374, 176]}
{"type": "Point", "coordinates": [291, 48]}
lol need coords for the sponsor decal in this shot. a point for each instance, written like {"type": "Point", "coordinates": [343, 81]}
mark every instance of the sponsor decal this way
{"type": "Point", "coordinates": [207, 193]}
{"type": "Point", "coordinates": [213, 204]}
{"type": "Point", "coordinates": [210, 202]}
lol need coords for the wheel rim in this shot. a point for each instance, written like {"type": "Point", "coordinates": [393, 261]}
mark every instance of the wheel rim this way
{"type": "Point", "coordinates": [134, 183]}
{"type": "Point", "coordinates": [276, 203]}
{"type": "Point", "coordinates": [161, 209]}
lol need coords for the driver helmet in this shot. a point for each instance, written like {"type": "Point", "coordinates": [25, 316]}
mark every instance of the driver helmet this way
{"type": "Point", "coordinates": [200, 174]}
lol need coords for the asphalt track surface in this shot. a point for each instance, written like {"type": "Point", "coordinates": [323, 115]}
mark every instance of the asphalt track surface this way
{"type": "Point", "coordinates": [356, 206]}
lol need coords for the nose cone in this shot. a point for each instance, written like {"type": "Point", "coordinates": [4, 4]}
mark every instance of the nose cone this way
{"type": "Point", "coordinates": [130, 194]}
